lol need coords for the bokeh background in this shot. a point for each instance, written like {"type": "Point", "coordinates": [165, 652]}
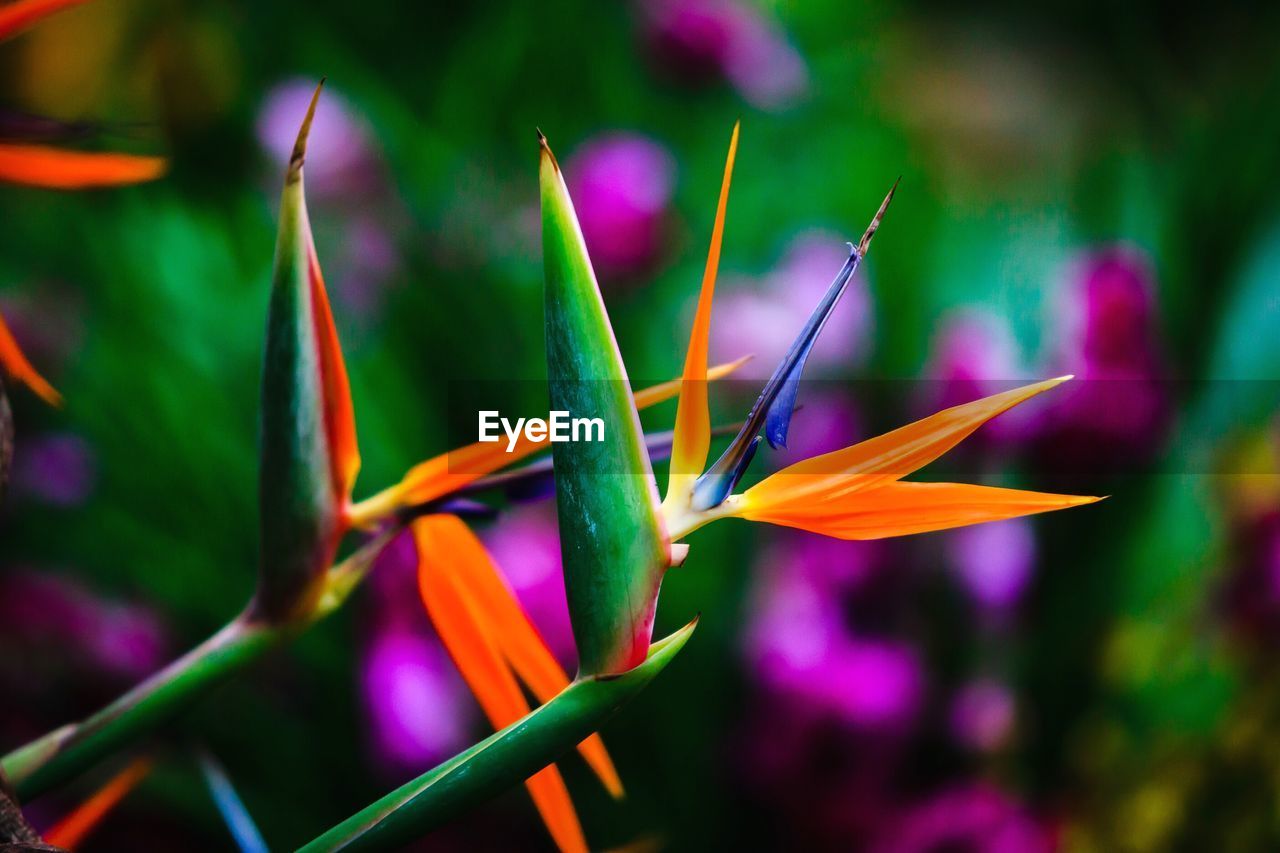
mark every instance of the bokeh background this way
{"type": "Point", "coordinates": [1086, 187]}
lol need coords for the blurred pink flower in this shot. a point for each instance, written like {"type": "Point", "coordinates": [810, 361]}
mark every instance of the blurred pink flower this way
{"type": "Point", "coordinates": [801, 648]}
{"type": "Point", "coordinates": [828, 421]}
{"type": "Point", "coordinates": [700, 41]}
{"type": "Point", "coordinates": [1117, 412]}
{"type": "Point", "coordinates": [127, 641]}
{"type": "Point", "coordinates": [526, 546]}
{"type": "Point", "coordinates": [56, 469]}
{"type": "Point", "coordinates": [982, 715]}
{"type": "Point", "coordinates": [764, 319]}
{"type": "Point", "coordinates": [621, 185]}
{"type": "Point", "coordinates": [975, 817]}
{"type": "Point", "coordinates": [415, 702]}
{"type": "Point", "coordinates": [340, 154]}
{"type": "Point", "coordinates": [995, 561]}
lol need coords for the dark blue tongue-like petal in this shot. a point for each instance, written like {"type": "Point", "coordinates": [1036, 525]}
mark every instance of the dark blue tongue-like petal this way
{"type": "Point", "coordinates": [773, 408]}
{"type": "Point", "coordinates": [778, 416]}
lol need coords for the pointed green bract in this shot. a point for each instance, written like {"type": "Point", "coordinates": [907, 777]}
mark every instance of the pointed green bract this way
{"type": "Point", "coordinates": [499, 762]}
{"type": "Point", "coordinates": [299, 510]}
{"type": "Point", "coordinates": [614, 546]}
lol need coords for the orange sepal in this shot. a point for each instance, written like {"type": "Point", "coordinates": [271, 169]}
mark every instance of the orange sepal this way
{"type": "Point", "coordinates": [339, 415]}
{"type": "Point", "coordinates": [17, 366]}
{"type": "Point", "coordinates": [692, 437]}
{"type": "Point", "coordinates": [461, 622]}
{"type": "Point", "coordinates": [902, 509]}
{"type": "Point", "coordinates": [885, 458]}
{"type": "Point", "coordinates": [18, 16]}
{"type": "Point", "coordinates": [76, 826]}
{"type": "Point", "coordinates": [56, 168]}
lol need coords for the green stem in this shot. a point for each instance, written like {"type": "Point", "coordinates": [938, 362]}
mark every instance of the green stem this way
{"type": "Point", "coordinates": [498, 762]}
{"type": "Point", "coordinates": [65, 752]}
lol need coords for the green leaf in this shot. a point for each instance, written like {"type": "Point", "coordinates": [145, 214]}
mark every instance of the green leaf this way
{"type": "Point", "coordinates": [613, 542]}
{"type": "Point", "coordinates": [299, 508]}
{"type": "Point", "coordinates": [502, 760]}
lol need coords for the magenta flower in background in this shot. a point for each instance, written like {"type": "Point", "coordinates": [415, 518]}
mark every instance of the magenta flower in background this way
{"type": "Point", "coordinates": [994, 562]}
{"type": "Point", "coordinates": [56, 469]}
{"type": "Point", "coordinates": [340, 154]}
{"type": "Point", "coordinates": [800, 645]}
{"type": "Point", "coordinates": [1117, 413]}
{"type": "Point", "coordinates": [702, 41]}
{"type": "Point", "coordinates": [526, 546]}
{"type": "Point", "coordinates": [416, 706]}
{"type": "Point", "coordinates": [973, 817]}
{"type": "Point", "coordinates": [828, 421]}
{"type": "Point", "coordinates": [622, 185]}
{"type": "Point", "coordinates": [982, 715]}
{"type": "Point", "coordinates": [60, 616]}
{"type": "Point", "coordinates": [414, 700]}
{"type": "Point", "coordinates": [763, 319]}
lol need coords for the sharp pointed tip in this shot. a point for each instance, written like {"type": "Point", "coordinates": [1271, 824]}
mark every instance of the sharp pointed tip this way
{"type": "Point", "coordinates": [300, 146]}
{"type": "Point", "coordinates": [542, 137]}
{"type": "Point", "coordinates": [1066, 377]}
{"type": "Point", "coordinates": [864, 245]}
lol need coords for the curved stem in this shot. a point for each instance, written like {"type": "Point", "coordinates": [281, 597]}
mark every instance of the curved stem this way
{"type": "Point", "coordinates": [65, 752]}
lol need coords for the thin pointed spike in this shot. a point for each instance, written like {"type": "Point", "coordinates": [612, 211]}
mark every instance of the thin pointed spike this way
{"type": "Point", "coordinates": [865, 243]}
{"type": "Point", "coordinates": [234, 814]}
{"type": "Point", "coordinates": [692, 437]}
{"type": "Point", "coordinates": [76, 826]}
{"type": "Point", "coordinates": [299, 155]}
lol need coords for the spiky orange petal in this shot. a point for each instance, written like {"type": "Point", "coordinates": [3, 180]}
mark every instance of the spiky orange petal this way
{"type": "Point", "coordinates": [339, 415]}
{"type": "Point", "coordinates": [55, 168]}
{"type": "Point", "coordinates": [510, 629]}
{"type": "Point", "coordinates": [887, 457]}
{"type": "Point", "coordinates": [16, 17]}
{"type": "Point", "coordinates": [76, 826]}
{"type": "Point", "coordinates": [16, 365]}
{"type": "Point", "coordinates": [692, 437]}
{"type": "Point", "coordinates": [459, 622]}
{"type": "Point", "coordinates": [901, 509]}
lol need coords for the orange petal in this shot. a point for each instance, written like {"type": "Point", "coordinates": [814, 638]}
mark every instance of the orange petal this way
{"type": "Point", "coordinates": [340, 420]}
{"type": "Point", "coordinates": [692, 436]}
{"type": "Point", "coordinates": [55, 168]}
{"type": "Point", "coordinates": [887, 457]}
{"type": "Point", "coordinates": [75, 827]}
{"type": "Point", "coordinates": [460, 624]}
{"type": "Point", "coordinates": [900, 509]}
{"type": "Point", "coordinates": [510, 629]}
{"type": "Point", "coordinates": [444, 474]}
{"type": "Point", "coordinates": [16, 17]}
{"type": "Point", "coordinates": [17, 366]}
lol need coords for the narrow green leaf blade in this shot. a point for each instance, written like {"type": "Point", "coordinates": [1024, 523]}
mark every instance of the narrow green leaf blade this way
{"type": "Point", "coordinates": [500, 761]}
{"type": "Point", "coordinates": [612, 538]}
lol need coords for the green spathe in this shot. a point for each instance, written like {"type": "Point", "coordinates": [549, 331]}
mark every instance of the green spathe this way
{"type": "Point", "coordinates": [612, 538]}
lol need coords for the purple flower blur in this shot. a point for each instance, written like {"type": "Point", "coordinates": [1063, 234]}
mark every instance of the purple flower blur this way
{"type": "Point", "coordinates": [56, 469]}
{"type": "Point", "coordinates": [526, 546]}
{"type": "Point", "coordinates": [621, 185]}
{"type": "Point", "coordinates": [701, 41]}
{"type": "Point", "coordinates": [982, 715]}
{"type": "Point", "coordinates": [973, 817]}
{"type": "Point", "coordinates": [801, 648]}
{"type": "Point", "coordinates": [416, 706]}
{"type": "Point", "coordinates": [1117, 412]}
{"type": "Point", "coordinates": [124, 641]}
{"type": "Point", "coordinates": [994, 561]}
{"type": "Point", "coordinates": [763, 320]}
{"type": "Point", "coordinates": [413, 699]}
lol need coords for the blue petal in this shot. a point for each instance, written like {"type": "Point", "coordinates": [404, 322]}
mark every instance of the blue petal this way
{"type": "Point", "coordinates": [239, 822]}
